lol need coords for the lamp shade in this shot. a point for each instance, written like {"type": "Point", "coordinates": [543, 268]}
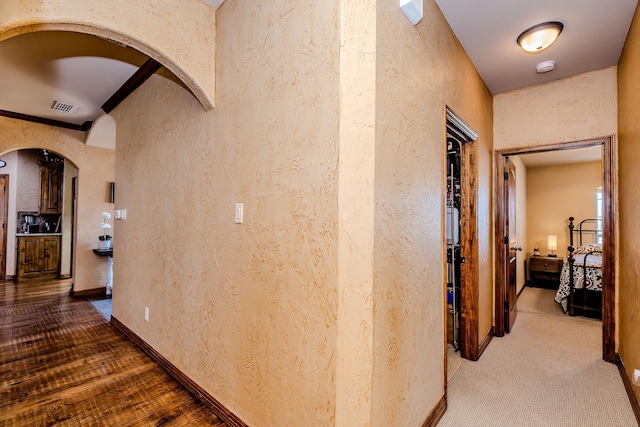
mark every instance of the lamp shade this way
{"type": "Point", "coordinates": [552, 242]}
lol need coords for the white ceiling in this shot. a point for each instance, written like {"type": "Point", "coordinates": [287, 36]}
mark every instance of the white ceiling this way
{"type": "Point", "coordinates": [592, 39]}
{"type": "Point", "coordinates": [558, 157]}
{"type": "Point", "coordinates": [83, 70]}
{"type": "Point", "coordinates": [78, 69]}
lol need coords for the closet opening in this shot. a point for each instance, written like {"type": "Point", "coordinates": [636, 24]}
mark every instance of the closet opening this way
{"type": "Point", "coordinates": [452, 231]}
{"type": "Point", "coordinates": [460, 239]}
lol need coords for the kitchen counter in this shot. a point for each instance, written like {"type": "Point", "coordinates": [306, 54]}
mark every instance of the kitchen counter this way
{"type": "Point", "coordinates": [37, 234]}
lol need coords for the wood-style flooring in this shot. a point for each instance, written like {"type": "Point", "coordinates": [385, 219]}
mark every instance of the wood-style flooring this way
{"type": "Point", "coordinates": [62, 363]}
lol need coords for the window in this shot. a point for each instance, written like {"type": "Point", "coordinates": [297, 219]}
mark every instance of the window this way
{"type": "Point", "coordinates": [599, 209]}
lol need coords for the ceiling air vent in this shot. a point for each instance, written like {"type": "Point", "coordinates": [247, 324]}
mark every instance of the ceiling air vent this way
{"type": "Point", "coordinates": [63, 107]}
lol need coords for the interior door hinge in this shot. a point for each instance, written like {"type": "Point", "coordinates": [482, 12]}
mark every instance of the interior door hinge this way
{"type": "Point", "coordinates": [506, 176]}
{"type": "Point", "coordinates": [506, 305]}
{"type": "Point", "coordinates": [505, 239]}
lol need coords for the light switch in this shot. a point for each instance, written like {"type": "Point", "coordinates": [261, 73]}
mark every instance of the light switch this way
{"type": "Point", "coordinates": [123, 214]}
{"type": "Point", "coordinates": [117, 214]}
{"type": "Point", "coordinates": [239, 213]}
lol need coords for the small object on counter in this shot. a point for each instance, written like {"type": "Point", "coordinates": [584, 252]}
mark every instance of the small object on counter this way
{"type": "Point", "coordinates": [536, 251]}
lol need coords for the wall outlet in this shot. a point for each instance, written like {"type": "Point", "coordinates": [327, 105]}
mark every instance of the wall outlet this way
{"type": "Point", "coordinates": [146, 314]}
{"type": "Point", "coordinates": [636, 377]}
{"type": "Point", "coordinates": [117, 214]}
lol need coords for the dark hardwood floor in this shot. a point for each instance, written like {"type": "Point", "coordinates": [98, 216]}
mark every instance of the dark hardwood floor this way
{"type": "Point", "coordinates": [62, 363]}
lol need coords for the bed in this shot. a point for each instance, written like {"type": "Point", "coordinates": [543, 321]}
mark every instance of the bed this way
{"type": "Point", "coordinates": [580, 289]}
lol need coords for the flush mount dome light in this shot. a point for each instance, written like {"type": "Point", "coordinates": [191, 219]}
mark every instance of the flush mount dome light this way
{"type": "Point", "coordinates": [545, 67]}
{"type": "Point", "coordinates": [541, 36]}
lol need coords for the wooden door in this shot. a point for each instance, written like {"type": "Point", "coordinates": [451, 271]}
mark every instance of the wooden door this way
{"type": "Point", "coordinates": [510, 246]}
{"type": "Point", "coordinates": [51, 187]}
{"type": "Point", "coordinates": [4, 197]}
{"type": "Point", "coordinates": [29, 257]}
{"type": "Point", "coordinates": [51, 255]}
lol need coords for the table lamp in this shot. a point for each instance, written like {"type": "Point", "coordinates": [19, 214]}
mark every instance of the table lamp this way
{"type": "Point", "coordinates": [552, 244]}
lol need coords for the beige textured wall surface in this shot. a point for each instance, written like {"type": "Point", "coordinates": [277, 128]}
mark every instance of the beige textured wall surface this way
{"type": "Point", "coordinates": [575, 108]}
{"type": "Point", "coordinates": [28, 184]}
{"type": "Point", "coordinates": [420, 70]}
{"type": "Point", "coordinates": [629, 196]}
{"type": "Point", "coordinates": [96, 167]}
{"type": "Point", "coordinates": [356, 208]}
{"type": "Point", "coordinates": [248, 311]}
{"type": "Point", "coordinates": [262, 314]}
{"type": "Point", "coordinates": [182, 39]}
{"type": "Point", "coordinates": [554, 193]}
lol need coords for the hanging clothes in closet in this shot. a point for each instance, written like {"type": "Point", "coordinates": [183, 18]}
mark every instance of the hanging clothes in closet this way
{"type": "Point", "coordinates": [452, 232]}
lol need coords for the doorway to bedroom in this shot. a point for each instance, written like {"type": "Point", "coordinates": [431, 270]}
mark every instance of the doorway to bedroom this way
{"type": "Point", "coordinates": [557, 182]}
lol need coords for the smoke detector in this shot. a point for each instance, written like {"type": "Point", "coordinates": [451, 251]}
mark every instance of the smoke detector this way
{"type": "Point", "coordinates": [63, 107]}
{"type": "Point", "coordinates": [545, 67]}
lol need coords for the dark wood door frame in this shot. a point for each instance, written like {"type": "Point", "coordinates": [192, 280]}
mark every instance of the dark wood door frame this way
{"type": "Point", "coordinates": [609, 188]}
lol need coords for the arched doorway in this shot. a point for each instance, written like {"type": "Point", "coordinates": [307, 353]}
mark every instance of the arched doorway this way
{"type": "Point", "coordinates": [40, 215]}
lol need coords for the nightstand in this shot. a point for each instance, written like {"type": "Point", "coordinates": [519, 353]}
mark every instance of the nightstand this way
{"type": "Point", "coordinates": [544, 272]}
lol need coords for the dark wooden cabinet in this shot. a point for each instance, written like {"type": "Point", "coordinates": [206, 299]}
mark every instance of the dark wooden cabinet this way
{"type": "Point", "coordinates": [51, 174]}
{"type": "Point", "coordinates": [545, 271]}
{"type": "Point", "coordinates": [38, 256]}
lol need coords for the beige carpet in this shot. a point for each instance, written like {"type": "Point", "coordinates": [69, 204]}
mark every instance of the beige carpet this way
{"type": "Point", "coordinates": [454, 361]}
{"type": "Point", "coordinates": [538, 300]}
{"type": "Point", "coordinates": [547, 372]}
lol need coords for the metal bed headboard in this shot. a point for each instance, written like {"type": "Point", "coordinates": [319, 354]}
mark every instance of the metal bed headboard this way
{"type": "Point", "coordinates": [587, 227]}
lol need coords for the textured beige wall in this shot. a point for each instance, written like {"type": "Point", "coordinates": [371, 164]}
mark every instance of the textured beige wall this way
{"type": "Point", "coordinates": [182, 39]}
{"type": "Point", "coordinates": [576, 108]}
{"type": "Point", "coordinates": [265, 315]}
{"type": "Point", "coordinates": [248, 311]}
{"type": "Point", "coordinates": [96, 167]}
{"type": "Point", "coordinates": [420, 70]}
{"type": "Point", "coordinates": [629, 196]}
{"type": "Point", "coordinates": [356, 208]}
{"type": "Point", "coordinates": [554, 193]}
{"type": "Point", "coordinates": [28, 197]}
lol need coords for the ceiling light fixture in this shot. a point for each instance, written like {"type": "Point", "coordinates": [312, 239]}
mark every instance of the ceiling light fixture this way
{"type": "Point", "coordinates": [541, 36]}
